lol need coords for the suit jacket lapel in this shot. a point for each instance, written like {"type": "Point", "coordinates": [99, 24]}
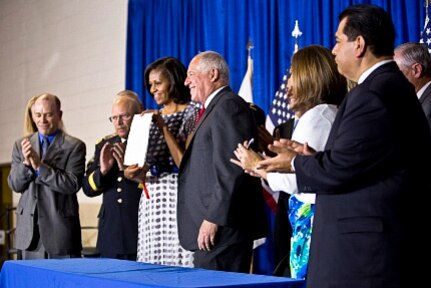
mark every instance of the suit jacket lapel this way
{"type": "Point", "coordinates": [426, 94]}
{"type": "Point", "coordinates": [208, 112]}
{"type": "Point", "coordinates": [55, 145]}
{"type": "Point", "coordinates": [34, 140]}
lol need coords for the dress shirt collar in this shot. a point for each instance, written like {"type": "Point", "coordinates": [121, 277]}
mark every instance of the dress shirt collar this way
{"type": "Point", "coordinates": [422, 90]}
{"type": "Point", "coordinates": [371, 69]}
{"type": "Point", "coordinates": [50, 137]}
{"type": "Point", "coordinates": [211, 97]}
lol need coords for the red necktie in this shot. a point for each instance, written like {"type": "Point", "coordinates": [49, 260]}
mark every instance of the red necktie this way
{"type": "Point", "coordinates": [201, 112]}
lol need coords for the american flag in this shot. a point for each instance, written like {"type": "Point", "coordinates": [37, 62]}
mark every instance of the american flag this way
{"type": "Point", "coordinates": [426, 33]}
{"type": "Point", "coordinates": [279, 112]}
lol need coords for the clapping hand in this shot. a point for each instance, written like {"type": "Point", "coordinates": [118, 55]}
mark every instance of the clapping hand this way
{"type": "Point", "coordinates": [31, 158]}
{"type": "Point", "coordinates": [157, 118]}
{"type": "Point", "coordinates": [111, 152]}
{"type": "Point", "coordinates": [248, 160]}
{"type": "Point", "coordinates": [285, 151]}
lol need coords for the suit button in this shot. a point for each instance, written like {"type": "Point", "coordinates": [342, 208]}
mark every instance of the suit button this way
{"type": "Point", "coordinates": [119, 200]}
{"type": "Point", "coordinates": [119, 179]}
{"type": "Point", "coordinates": [119, 189]}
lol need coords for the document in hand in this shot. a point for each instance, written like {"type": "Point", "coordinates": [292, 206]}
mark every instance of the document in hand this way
{"type": "Point", "coordinates": [137, 142]}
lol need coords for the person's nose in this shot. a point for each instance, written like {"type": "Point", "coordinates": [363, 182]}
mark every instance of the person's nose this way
{"type": "Point", "coordinates": [153, 89]}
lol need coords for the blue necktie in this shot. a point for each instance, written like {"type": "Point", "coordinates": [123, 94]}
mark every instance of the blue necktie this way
{"type": "Point", "coordinates": [45, 145]}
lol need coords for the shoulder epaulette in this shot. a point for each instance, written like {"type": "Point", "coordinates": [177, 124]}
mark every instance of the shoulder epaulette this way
{"type": "Point", "coordinates": [107, 137]}
{"type": "Point", "coordinates": [253, 107]}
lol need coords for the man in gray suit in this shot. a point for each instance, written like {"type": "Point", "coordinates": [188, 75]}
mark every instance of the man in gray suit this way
{"type": "Point", "coordinates": [47, 170]}
{"type": "Point", "coordinates": [414, 61]}
{"type": "Point", "coordinates": [220, 208]}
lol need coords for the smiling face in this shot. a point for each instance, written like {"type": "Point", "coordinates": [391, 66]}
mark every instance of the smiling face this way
{"type": "Point", "coordinates": [159, 87]}
{"type": "Point", "coordinates": [46, 115]}
{"type": "Point", "coordinates": [198, 81]}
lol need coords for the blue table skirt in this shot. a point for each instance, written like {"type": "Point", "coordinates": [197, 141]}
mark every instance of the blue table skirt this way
{"type": "Point", "coordinates": [107, 273]}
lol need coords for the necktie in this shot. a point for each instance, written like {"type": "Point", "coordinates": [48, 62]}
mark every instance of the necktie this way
{"type": "Point", "coordinates": [45, 145]}
{"type": "Point", "coordinates": [201, 112]}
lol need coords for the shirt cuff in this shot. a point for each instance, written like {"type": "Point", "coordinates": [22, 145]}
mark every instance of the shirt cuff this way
{"type": "Point", "coordinates": [292, 165]}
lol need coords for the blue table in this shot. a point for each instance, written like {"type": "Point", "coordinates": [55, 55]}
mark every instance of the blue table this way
{"type": "Point", "coordinates": [107, 273]}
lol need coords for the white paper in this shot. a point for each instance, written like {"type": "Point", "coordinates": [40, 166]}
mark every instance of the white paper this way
{"type": "Point", "coordinates": [137, 141]}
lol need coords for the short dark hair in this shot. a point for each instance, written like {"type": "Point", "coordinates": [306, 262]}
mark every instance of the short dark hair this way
{"type": "Point", "coordinates": [176, 73]}
{"type": "Point", "coordinates": [374, 24]}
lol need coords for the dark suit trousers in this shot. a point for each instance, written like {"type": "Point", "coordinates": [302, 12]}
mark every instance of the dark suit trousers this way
{"type": "Point", "coordinates": [231, 258]}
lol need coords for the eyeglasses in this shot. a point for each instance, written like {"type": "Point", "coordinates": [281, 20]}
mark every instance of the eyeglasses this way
{"type": "Point", "coordinates": [123, 116]}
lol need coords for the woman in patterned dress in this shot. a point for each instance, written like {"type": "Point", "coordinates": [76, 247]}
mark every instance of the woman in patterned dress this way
{"type": "Point", "coordinates": [158, 241]}
{"type": "Point", "coordinates": [314, 90]}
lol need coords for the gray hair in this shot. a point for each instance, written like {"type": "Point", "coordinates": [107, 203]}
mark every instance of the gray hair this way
{"type": "Point", "coordinates": [412, 53]}
{"type": "Point", "coordinates": [132, 96]}
{"type": "Point", "coordinates": [213, 60]}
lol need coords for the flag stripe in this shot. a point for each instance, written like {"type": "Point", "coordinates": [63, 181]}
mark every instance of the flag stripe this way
{"type": "Point", "coordinates": [279, 112]}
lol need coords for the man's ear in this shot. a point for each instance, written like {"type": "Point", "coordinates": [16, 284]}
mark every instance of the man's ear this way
{"type": "Point", "coordinates": [214, 75]}
{"type": "Point", "coordinates": [417, 70]}
{"type": "Point", "coordinates": [361, 46]}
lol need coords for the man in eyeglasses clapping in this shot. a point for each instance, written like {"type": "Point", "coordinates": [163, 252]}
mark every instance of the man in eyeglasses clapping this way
{"type": "Point", "coordinates": [118, 215]}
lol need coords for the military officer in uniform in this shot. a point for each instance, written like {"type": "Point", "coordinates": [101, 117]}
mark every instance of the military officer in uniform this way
{"type": "Point", "coordinates": [118, 215]}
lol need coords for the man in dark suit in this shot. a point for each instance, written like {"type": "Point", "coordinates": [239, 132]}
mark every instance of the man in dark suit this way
{"type": "Point", "coordinates": [220, 208]}
{"type": "Point", "coordinates": [47, 170]}
{"type": "Point", "coordinates": [118, 215]}
{"type": "Point", "coordinates": [414, 61]}
{"type": "Point", "coordinates": [367, 180]}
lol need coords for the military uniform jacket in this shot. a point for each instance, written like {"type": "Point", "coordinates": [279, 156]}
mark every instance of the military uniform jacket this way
{"type": "Point", "coordinates": [118, 215]}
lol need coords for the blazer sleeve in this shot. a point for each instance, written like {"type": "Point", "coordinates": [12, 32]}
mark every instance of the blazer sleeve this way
{"type": "Point", "coordinates": [92, 183]}
{"type": "Point", "coordinates": [67, 179]}
{"type": "Point", "coordinates": [232, 124]}
{"type": "Point", "coordinates": [359, 147]}
{"type": "Point", "coordinates": [20, 175]}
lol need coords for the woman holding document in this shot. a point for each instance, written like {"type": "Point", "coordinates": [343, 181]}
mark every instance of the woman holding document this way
{"type": "Point", "coordinates": [157, 236]}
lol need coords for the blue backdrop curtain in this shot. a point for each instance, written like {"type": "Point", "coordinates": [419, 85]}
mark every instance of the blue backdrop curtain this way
{"type": "Point", "coordinates": [182, 28]}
